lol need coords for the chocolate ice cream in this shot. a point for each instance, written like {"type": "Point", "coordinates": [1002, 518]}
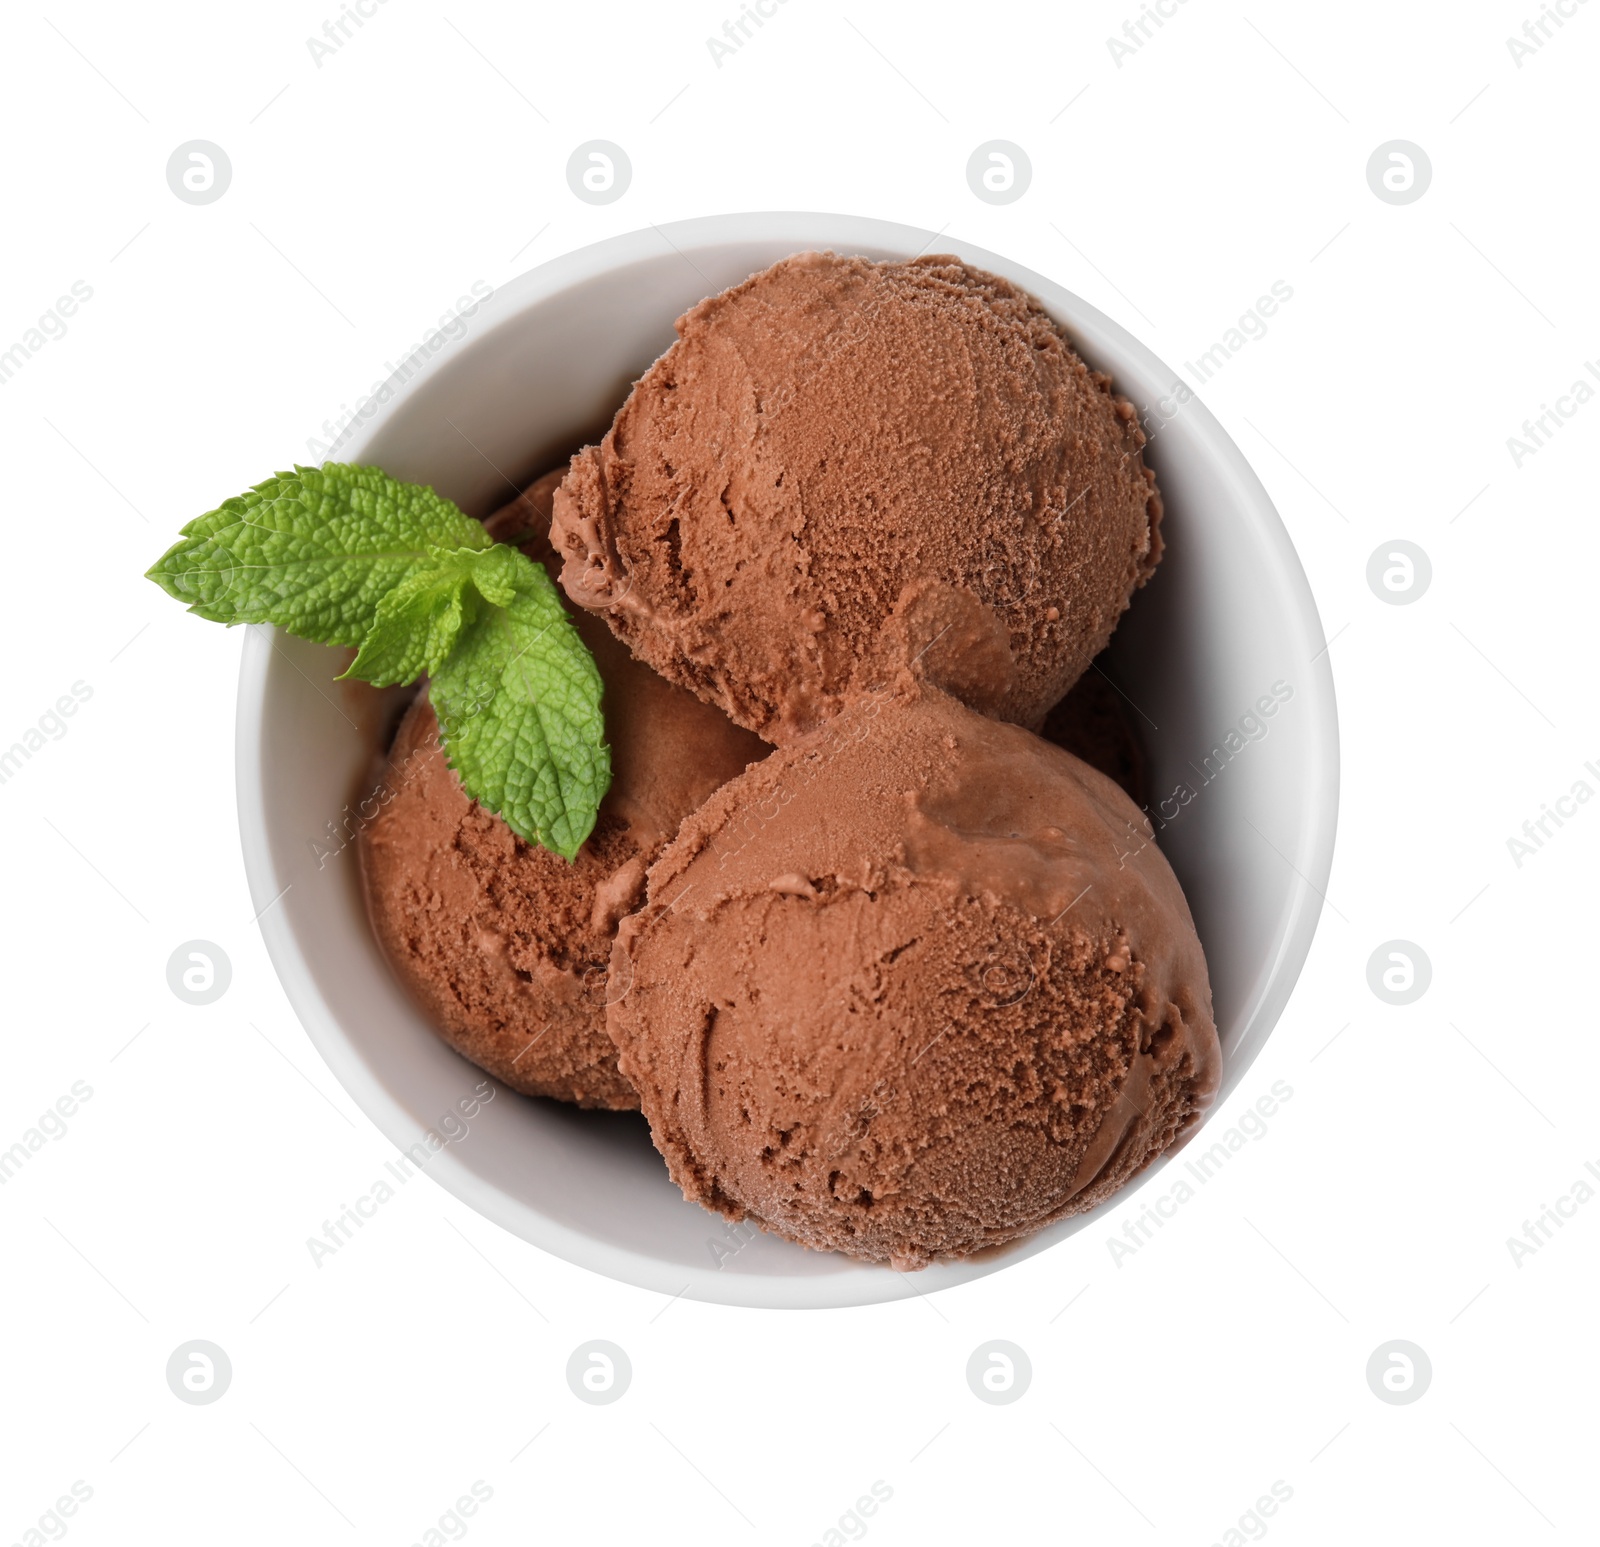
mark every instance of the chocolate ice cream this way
{"type": "Point", "coordinates": [908, 990]}
{"type": "Point", "coordinates": [842, 466]}
{"type": "Point", "coordinates": [504, 944]}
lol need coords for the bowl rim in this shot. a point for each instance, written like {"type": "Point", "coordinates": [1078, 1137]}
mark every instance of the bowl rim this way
{"type": "Point", "coordinates": [1312, 859]}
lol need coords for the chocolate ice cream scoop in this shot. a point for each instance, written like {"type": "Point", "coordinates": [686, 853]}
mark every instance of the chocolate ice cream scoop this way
{"type": "Point", "coordinates": [504, 944]}
{"type": "Point", "coordinates": [843, 466]}
{"type": "Point", "coordinates": [913, 987]}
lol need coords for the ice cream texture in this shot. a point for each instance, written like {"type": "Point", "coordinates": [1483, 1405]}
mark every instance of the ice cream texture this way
{"type": "Point", "coordinates": [845, 466]}
{"type": "Point", "coordinates": [902, 990]}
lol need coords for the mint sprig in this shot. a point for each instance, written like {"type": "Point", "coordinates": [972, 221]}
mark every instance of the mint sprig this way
{"type": "Point", "coordinates": [517, 700]}
{"type": "Point", "coordinates": [345, 555]}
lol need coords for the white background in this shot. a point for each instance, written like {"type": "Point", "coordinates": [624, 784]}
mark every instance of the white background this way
{"type": "Point", "coordinates": [1169, 1392]}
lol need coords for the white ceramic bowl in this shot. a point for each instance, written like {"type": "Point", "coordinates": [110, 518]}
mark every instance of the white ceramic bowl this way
{"type": "Point", "coordinates": [541, 368]}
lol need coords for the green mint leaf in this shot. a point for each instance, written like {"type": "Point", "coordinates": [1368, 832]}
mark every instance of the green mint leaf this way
{"type": "Point", "coordinates": [314, 551]}
{"type": "Point", "coordinates": [345, 555]}
{"type": "Point", "coordinates": [417, 623]}
{"type": "Point", "coordinates": [518, 701]}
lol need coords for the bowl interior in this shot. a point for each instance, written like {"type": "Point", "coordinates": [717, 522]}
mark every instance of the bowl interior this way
{"type": "Point", "coordinates": [1245, 798]}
